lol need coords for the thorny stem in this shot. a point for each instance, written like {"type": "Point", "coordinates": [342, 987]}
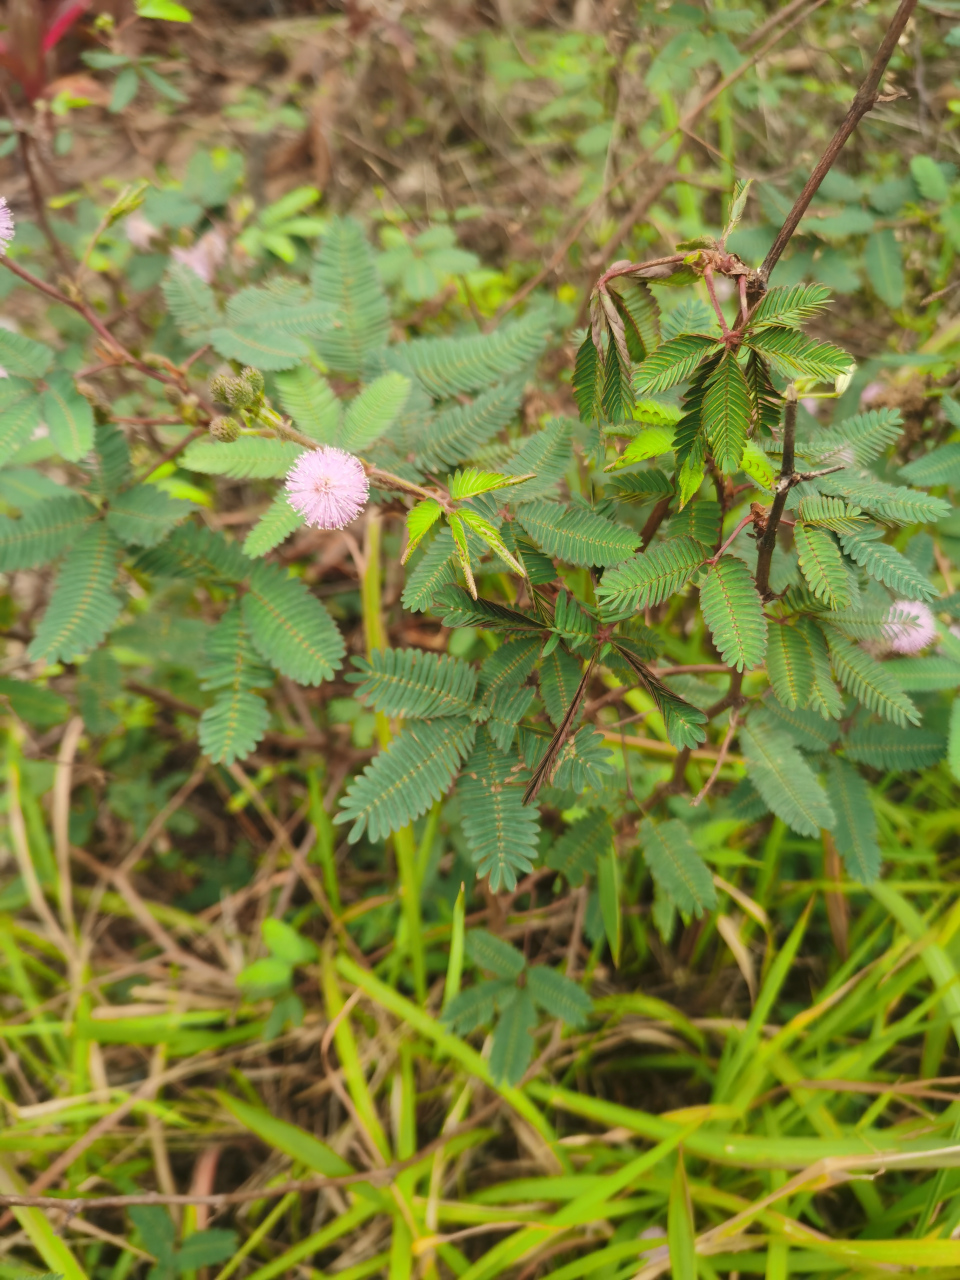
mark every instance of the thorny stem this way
{"type": "Point", "coordinates": [864, 101]}
{"type": "Point", "coordinates": [768, 539]}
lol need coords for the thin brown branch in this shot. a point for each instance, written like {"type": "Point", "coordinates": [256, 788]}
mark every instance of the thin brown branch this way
{"type": "Point", "coordinates": [864, 101]}
{"type": "Point", "coordinates": [768, 539]}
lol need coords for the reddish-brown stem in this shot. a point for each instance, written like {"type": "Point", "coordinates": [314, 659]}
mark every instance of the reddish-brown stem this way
{"type": "Point", "coordinates": [787, 479]}
{"type": "Point", "coordinates": [708, 281]}
{"type": "Point", "coordinates": [655, 520]}
{"type": "Point", "coordinates": [863, 102]}
{"type": "Point", "coordinates": [742, 525]}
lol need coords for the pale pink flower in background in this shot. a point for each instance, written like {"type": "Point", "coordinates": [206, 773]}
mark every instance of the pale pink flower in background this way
{"type": "Point", "coordinates": [911, 626]}
{"type": "Point", "coordinates": [205, 256]}
{"type": "Point", "coordinates": [140, 231]}
{"type": "Point", "coordinates": [870, 393]}
{"type": "Point", "coordinates": [7, 226]}
{"type": "Point", "coordinates": [328, 487]}
{"type": "Point", "coordinates": [811, 405]}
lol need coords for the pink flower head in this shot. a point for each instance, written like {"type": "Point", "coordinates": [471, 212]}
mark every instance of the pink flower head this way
{"type": "Point", "coordinates": [6, 226]}
{"type": "Point", "coordinates": [140, 231]}
{"type": "Point", "coordinates": [911, 626]}
{"type": "Point", "coordinates": [205, 256]}
{"type": "Point", "coordinates": [329, 487]}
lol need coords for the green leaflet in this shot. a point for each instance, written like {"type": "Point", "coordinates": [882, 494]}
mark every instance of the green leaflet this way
{"type": "Point", "coordinates": [616, 396]}
{"type": "Point", "coordinates": [232, 727]}
{"type": "Point", "coordinates": [588, 380]}
{"type": "Point", "coordinates": [822, 565]}
{"type": "Point", "coordinates": [345, 276]}
{"type": "Point", "coordinates": [456, 608]}
{"type": "Point", "coordinates": [558, 996]}
{"type": "Point", "coordinates": [17, 423]}
{"type": "Point", "coordinates": [676, 866]}
{"type": "Point", "coordinates": [825, 698]}
{"type": "Point", "coordinates": [405, 779]}
{"type": "Point", "coordinates": [765, 401]}
{"type": "Point", "coordinates": [190, 301]}
{"type": "Point", "coordinates": [433, 570]}
{"type": "Point", "coordinates": [575, 854]}
{"type": "Point", "coordinates": [512, 1046]}
{"type": "Point", "coordinates": [701, 520]}
{"type": "Point", "coordinates": [784, 779]}
{"type": "Point", "coordinates": [545, 455]}
{"type": "Point", "coordinates": [290, 627]}
{"type": "Point", "coordinates": [807, 729]}
{"type": "Point", "coordinates": [869, 681]}
{"type": "Point", "coordinates": [733, 611]}
{"type": "Point", "coordinates": [113, 459]}
{"type": "Point", "coordinates": [508, 665]}
{"type": "Point", "coordinates": [855, 832]}
{"type": "Point", "coordinates": [789, 665]}
{"type": "Point", "coordinates": [793, 354]}
{"type": "Point", "coordinates": [249, 458]}
{"type": "Point", "coordinates": [22, 357]}
{"type": "Point", "coordinates": [640, 314]}
{"type": "Point", "coordinates": [928, 674]}
{"type": "Point", "coordinates": [867, 434]}
{"type": "Point", "coordinates": [68, 415]}
{"type": "Point", "coordinates": [576, 534]}
{"type": "Point", "coordinates": [144, 515]}
{"type": "Point", "coordinates": [494, 955]}
{"type": "Point", "coordinates": [939, 466]}
{"type": "Point", "coordinates": [673, 362]}
{"type": "Point", "coordinates": [560, 675]}
{"type": "Point", "coordinates": [448, 366]}
{"type": "Point", "coordinates": [885, 746]}
{"type": "Point", "coordinates": [274, 526]}
{"type": "Point", "coordinates": [83, 607]}
{"type": "Point", "coordinates": [651, 576]}
{"type": "Point", "coordinates": [99, 682]}
{"type": "Point", "coordinates": [21, 487]}
{"type": "Point", "coordinates": [888, 566]}
{"type": "Point", "coordinates": [831, 513]}
{"type": "Point", "coordinates": [888, 501]}
{"type": "Point", "coordinates": [642, 486]}
{"type": "Point", "coordinates": [507, 708]}
{"type": "Point", "coordinates": [311, 403]}
{"type": "Point", "coordinates": [371, 414]}
{"type": "Point", "coordinates": [195, 551]}
{"type": "Point", "coordinates": [501, 832]}
{"type": "Point", "coordinates": [263, 348]}
{"type": "Point", "coordinates": [44, 530]}
{"type": "Point", "coordinates": [459, 432]}
{"type": "Point", "coordinates": [34, 703]}
{"type": "Point", "coordinates": [725, 413]}
{"type": "Point", "coordinates": [790, 306]}
{"type": "Point", "coordinates": [415, 684]}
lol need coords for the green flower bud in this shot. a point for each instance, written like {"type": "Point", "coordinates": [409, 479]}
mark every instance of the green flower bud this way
{"type": "Point", "coordinates": [225, 429]}
{"type": "Point", "coordinates": [220, 387]}
{"type": "Point", "coordinates": [254, 380]}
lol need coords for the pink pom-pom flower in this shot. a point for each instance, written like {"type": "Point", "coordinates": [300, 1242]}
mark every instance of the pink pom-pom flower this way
{"type": "Point", "coordinates": [7, 226]}
{"type": "Point", "coordinates": [911, 626]}
{"type": "Point", "coordinates": [328, 487]}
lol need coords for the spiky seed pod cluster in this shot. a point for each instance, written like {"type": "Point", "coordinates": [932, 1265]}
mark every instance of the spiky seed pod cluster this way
{"type": "Point", "coordinates": [242, 392]}
{"type": "Point", "coordinates": [225, 429]}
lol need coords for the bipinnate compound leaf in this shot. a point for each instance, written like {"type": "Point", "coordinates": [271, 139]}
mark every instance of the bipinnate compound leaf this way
{"type": "Point", "coordinates": [112, 455]}
{"type": "Point", "coordinates": [893, 502]}
{"type": "Point", "coordinates": [265, 348]}
{"type": "Point", "coordinates": [855, 832]}
{"type": "Point", "coordinates": [414, 684]}
{"type": "Point", "coordinates": [558, 996]}
{"type": "Point", "coordinates": [822, 565]}
{"type": "Point", "coordinates": [725, 413]}
{"type": "Point", "coordinates": [195, 551]}
{"type": "Point", "coordinates": [404, 780]}
{"type": "Point", "coordinates": [44, 530]}
{"type": "Point", "coordinates": [616, 396]}
{"type": "Point", "coordinates": [807, 729]}
{"type": "Point", "coordinates": [560, 675]}
{"type": "Point", "coordinates": [83, 607]}
{"type": "Point", "coordinates": [232, 727]}
{"type": "Point", "coordinates": [575, 854]}
{"type": "Point", "coordinates": [869, 681]}
{"type": "Point", "coordinates": [494, 955]}
{"type": "Point", "coordinates": [831, 513]}
{"type": "Point", "coordinates": [783, 778]}
{"type": "Point", "coordinates": [68, 415]}
{"type": "Point", "coordinates": [432, 571]}
{"type": "Point", "coordinates": [507, 708]}
{"type": "Point", "coordinates": [144, 515]}
{"type": "Point", "coordinates": [501, 833]}
{"type": "Point", "coordinates": [290, 627]}
{"type": "Point", "coordinates": [640, 314]}
{"type": "Point", "coordinates": [576, 534]}
{"type": "Point", "coordinates": [449, 366]}
{"type": "Point", "coordinates": [509, 665]}
{"type": "Point", "coordinates": [679, 871]}
{"type": "Point", "coordinates": [477, 1006]}
{"type": "Point", "coordinates": [733, 611]}
{"type": "Point", "coordinates": [789, 665]}
{"type": "Point", "coordinates": [825, 697]}
{"type": "Point", "coordinates": [456, 608]}
{"type": "Point", "coordinates": [249, 458]}
{"type": "Point", "coordinates": [274, 526]}
{"type": "Point", "coordinates": [651, 576]}
{"type": "Point", "coordinates": [887, 565]}
{"type": "Point", "coordinates": [867, 434]}
{"type": "Point", "coordinates": [512, 1046]}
